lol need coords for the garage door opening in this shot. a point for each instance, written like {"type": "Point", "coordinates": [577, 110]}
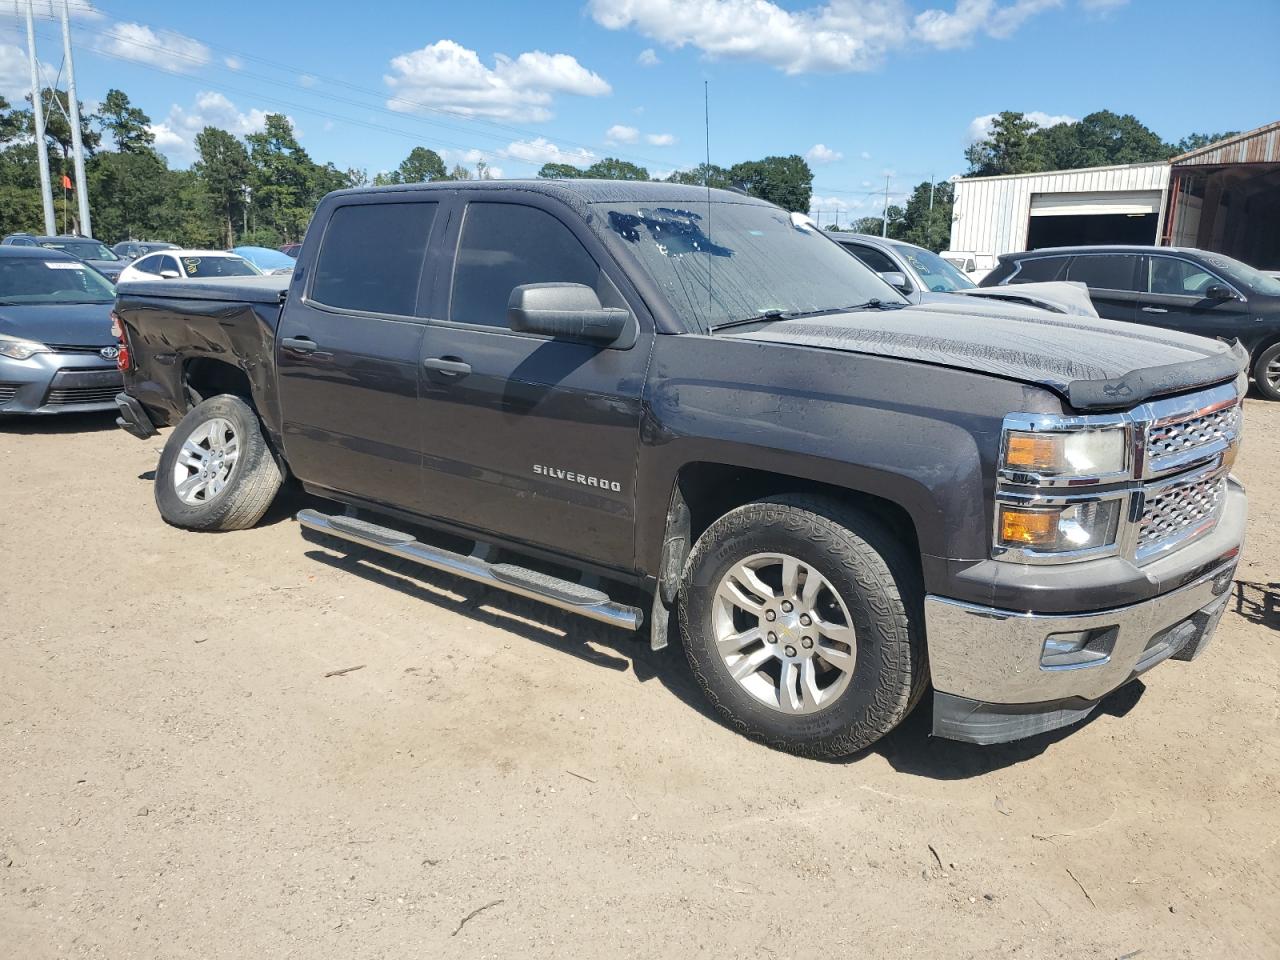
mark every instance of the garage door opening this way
{"type": "Point", "coordinates": [1230, 209]}
{"type": "Point", "coordinates": [1091, 230]}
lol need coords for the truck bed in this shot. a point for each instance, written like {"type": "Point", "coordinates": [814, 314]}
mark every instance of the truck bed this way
{"type": "Point", "coordinates": [270, 289]}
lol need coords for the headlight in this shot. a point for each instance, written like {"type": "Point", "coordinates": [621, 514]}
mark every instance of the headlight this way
{"type": "Point", "coordinates": [16, 348]}
{"type": "Point", "coordinates": [1063, 529]}
{"type": "Point", "coordinates": [1100, 452]}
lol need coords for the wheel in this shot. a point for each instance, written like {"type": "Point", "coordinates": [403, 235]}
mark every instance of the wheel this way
{"type": "Point", "coordinates": [1266, 372]}
{"type": "Point", "coordinates": [216, 472]}
{"type": "Point", "coordinates": [801, 621]}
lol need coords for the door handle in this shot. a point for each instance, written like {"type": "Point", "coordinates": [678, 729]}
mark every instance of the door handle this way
{"type": "Point", "coordinates": [1154, 310]}
{"type": "Point", "coordinates": [299, 344]}
{"type": "Point", "coordinates": [449, 366]}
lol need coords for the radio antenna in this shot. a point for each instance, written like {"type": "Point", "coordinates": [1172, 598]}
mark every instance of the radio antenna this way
{"type": "Point", "coordinates": [706, 182]}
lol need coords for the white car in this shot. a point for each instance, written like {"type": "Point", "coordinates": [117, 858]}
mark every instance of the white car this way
{"type": "Point", "coordinates": [972, 264]}
{"type": "Point", "coordinates": [188, 265]}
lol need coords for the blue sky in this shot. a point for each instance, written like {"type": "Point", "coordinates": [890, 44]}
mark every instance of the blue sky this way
{"type": "Point", "coordinates": [864, 88]}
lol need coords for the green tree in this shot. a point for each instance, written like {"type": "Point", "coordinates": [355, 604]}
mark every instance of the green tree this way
{"type": "Point", "coordinates": [224, 170]}
{"type": "Point", "coordinates": [786, 181]}
{"type": "Point", "coordinates": [1101, 139]}
{"type": "Point", "coordinates": [459, 172]}
{"type": "Point", "coordinates": [871, 225]}
{"type": "Point", "coordinates": [128, 194]}
{"type": "Point", "coordinates": [711, 175]}
{"type": "Point", "coordinates": [1007, 148]}
{"type": "Point", "coordinates": [421, 166]}
{"type": "Point", "coordinates": [283, 178]}
{"type": "Point", "coordinates": [560, 171]}
{"type": "Point", "coordinates": [927, 224]}
{"type": "Point", "coordinates": [1194, 141]}
{"type": "Point", "coordinates": [611, 168]}
{"type": "Point", "coordinates": [129, 127]}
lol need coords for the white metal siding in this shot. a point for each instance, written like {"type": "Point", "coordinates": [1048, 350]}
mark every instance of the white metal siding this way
{"type": "Point", "coordinates": [991, 214]}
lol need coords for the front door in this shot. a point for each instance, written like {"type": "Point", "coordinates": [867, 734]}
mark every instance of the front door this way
{"type": "Point", "coordinates": [348, 352]}
{"type": "Point", "coordinates": [1112, 279]}
{"type": "Point", "coordinates": [1174, 297]}
{"type": "Point", "coordinates": [527, 437]}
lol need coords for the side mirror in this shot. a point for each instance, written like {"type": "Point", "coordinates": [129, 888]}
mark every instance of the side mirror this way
{"type": "Point", "coordinates": [568, 311]}
{"type": "Point", "coordinates": [171, 274]}
{"type": "Point", "coordinates": [896, 278]}
{"type": "Point", "coordinates": [1219, 291]}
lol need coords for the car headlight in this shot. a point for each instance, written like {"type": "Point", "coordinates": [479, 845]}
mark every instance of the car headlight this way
{"type": "Point", "coordinates": [15, 348]}
{"type": "Point", "coordinates": [1062, 529]}
{"type": "Point", "coordinates": [1100, 452]}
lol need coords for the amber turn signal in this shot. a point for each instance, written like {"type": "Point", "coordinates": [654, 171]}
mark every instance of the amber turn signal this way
{"type": "Point", "coordinates": [1029, 528]}
{"type": "Point", "coordinates": [1028, 451]}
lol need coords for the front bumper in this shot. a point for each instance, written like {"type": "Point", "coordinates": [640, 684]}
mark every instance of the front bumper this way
{"type": "Point", "coordinates": [994, 669]}
{"type": "Point", "coordinates": [58, 383]}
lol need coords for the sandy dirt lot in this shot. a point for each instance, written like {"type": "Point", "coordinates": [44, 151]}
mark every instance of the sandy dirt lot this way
{"type": "Point", "coordinates": [179, 778]}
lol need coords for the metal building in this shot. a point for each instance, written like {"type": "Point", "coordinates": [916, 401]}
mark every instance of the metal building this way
{"type": "Point", "coordinates": [1223, 197]}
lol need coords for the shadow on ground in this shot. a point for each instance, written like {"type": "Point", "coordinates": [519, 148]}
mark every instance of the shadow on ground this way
{"type": "Point", "coordinates": [18, 425]}
{"type": "Point", "coordinates": [1259, 602]}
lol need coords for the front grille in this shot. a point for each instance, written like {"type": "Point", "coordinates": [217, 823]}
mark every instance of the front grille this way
{"type": "Point", "coordinates": [7, 390]}
{"type": "Point", "coordinates": [75, 348]}
{"type": "Point", "coordinates": [1175, 443]}
{"type": "Point", "coordinates": [68, 395]}
{"type": "Point", "coordinates": [1178, 511]}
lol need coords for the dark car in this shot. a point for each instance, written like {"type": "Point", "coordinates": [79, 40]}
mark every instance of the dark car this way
{"type": "Point", "coordinates": [93, 252]}
{"type": "Point", "coordinates": [653, 404]}
{"type": "Point", "coordinates": [133, 249]}
{"type": "Point", "coordinates": [292, 249]}
{"type": "Point", "coordinates": [1194, 291]}
{"type": "Point", "coordinates": [57, 352]}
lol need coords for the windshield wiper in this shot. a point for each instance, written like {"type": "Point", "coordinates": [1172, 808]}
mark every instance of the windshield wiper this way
{"type": "Point", "coordinates": [771, 314]}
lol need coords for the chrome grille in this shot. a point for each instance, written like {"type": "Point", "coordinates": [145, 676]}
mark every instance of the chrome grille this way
{"type": "Point", "coordinates": [1176, 443]}
{"type": "Point", "coordinates": [7, 390]}
{"type": "Point", "coordinates": [1178, 511]}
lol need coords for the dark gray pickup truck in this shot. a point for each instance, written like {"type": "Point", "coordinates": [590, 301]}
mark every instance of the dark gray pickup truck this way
{"type": "Point", "coordinates": [640, 399]}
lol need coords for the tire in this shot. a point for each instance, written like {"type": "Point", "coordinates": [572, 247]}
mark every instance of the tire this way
{"type": "Point", "coordinates": [1268, 384]}
{"type": "Point", "coordinates": [865, 579]}
{"type": "Point", "coordinates": [225, 497]}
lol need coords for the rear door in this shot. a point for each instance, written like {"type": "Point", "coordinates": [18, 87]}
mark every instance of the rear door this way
{"type": "Point", "coordinates": [1174, 297]}
{"type": "Point", "coordinates": [1112, 279]}
{"type": "Point", "coordinates": [530, 438]}
{"type": "Point", "coordinates": [348, 349]}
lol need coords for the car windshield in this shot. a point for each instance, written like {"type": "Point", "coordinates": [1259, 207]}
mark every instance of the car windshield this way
{"type": "Point", "coordinates": [721, 262]}
{"type": "Point", "coordinates": [266, 259]}
{"type": "Point", "coordinates": [1242, 273]}
{"type": "Point", "coordinates": [83, 249]}
{"type": "Point", "coordinates": [938, 275]}
{"type": "Point", "coordinates": [219, 267]}
{"type": "Point", "coordinates": [33, 280]}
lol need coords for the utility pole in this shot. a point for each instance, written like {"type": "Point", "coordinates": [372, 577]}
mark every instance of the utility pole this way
{"type": "Point", "coordinates": [928, 229]}
{"type": "Point", "coordinates": [884, 224]}
{"type": "Point", "coordinates": [77, 146]}
{"type": "Point", "coordinates": [37, 113]}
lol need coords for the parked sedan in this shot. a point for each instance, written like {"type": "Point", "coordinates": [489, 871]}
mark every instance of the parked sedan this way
{"type": "Point", "coordinates": [133, 249]}
{"type": "Point", "coordinates": [1183, 289]}
{"type": "Point", "coordinates": [267, 260]}
{"type": "Point", "coordinates": [57, 353]}
{"type": "Point", "coordinates": [189, 265]}
{"type": "Point", "coordinates": [904, 265]}
{"type": "Point", "coordinates": [93, 252]}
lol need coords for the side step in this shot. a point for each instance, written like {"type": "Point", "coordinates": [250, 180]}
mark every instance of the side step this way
{"type": "Point", "coordinates": [563, 594]}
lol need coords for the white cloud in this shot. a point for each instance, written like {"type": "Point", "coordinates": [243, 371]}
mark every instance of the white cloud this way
{"type": "Point", "coordinates": [648, 58]}
{"type": "Point", "coordinates": [621, 133]}
{"type": "Point", "coordinates": [176, 135]}
{"type": "Point", "coordinates": [542, 150]}
{"type": "Point", "coordinates": [821, 153]}
{"type": "Point", "coordinates": [233, 63]}
{"type": "Point", "coordinates": [447, 75]}
{"type": "Point", "coordinates": [830, 36]}
{"type": "Point", "coordinates": [1102, 6]}
{"type": "Point", "coordinates": [307, 80]}
{"type": "Point", "coordinates": [980, 127]}
{"type": "Point", "coordinates": [159, 48]}
{"type": "Point", "coordinates": [660, 139]}
{"type": "Point", "coordinates": [826, 204]}
{"type": "Point", "coordinates": [15, 74]}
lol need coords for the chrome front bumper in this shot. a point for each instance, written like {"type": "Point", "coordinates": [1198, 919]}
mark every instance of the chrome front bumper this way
{"type": "Point", "coordinates": [999, 674]}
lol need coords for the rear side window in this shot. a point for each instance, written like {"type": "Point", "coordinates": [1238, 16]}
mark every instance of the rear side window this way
{"type": "Point", "coordinates": [149, 265]}
{"type": "Point", "coordinates": [371, 257]}
{"type": "Point", "coordinates": [873, 258]}
{"type": "Point", "coordinates": [504, 245]}
{"type": "Point", "coordinates": [1104, 271]}
{"type": "Point", "coordinates": [1039, 269]}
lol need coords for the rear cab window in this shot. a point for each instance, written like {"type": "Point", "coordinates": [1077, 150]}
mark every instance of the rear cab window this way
{"type": "Point", "coordinates": [371, 257]}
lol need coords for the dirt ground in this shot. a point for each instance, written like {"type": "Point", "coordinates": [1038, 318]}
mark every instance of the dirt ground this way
{"type": "Point", "coordinates": [180, 779]}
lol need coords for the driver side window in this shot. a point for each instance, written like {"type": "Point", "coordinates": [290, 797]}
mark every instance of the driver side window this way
{"type": "Point", "coordinates": [1171, 277]}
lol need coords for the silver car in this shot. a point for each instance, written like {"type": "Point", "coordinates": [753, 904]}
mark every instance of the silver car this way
{"type": "Point", "coordinates": [57, 353]}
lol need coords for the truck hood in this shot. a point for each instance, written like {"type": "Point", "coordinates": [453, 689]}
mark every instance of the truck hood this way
{"type": "Point", "coordinates": [59, 324]}
{"type": "Point", "coordinates": [1095, 364]}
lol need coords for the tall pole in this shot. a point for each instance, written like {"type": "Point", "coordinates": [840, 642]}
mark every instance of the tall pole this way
{"type": "Point", "coordinates": [77, 146]}
{"type": "Point", "coordinates": [884, 224]}
{"type": "Point", "coordinates": [928, 230]}
{"type": "Point", "coordinates": [37, 112]}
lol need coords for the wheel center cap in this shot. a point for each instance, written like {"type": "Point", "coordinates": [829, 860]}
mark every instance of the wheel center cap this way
{"type": "Point", "coordinates": [788, 627]}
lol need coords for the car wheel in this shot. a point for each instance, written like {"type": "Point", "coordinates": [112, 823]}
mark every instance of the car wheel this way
{"type": "Point", "coordinates": [216, 471]}
{"type": "Point", "coordinates": [801, 619]}
{"type": "Point", "coordinates": [1266, 372]}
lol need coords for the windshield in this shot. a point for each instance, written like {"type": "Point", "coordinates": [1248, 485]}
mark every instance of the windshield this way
{"type": "Point", "coordinates": [83, 249]}
{"type": "Point", "coordinates": [1255, 280]}
{"type": "Point", "coordinates": [721, 262]}
{"type": "Point", "coordinates": [266, 259]}
{"type": "Point", "coordinates": [938, 275]}
{"type": "Point", "coordinates": [32, 280]}
{"type": "Point", "coordinates": [219, 267]}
